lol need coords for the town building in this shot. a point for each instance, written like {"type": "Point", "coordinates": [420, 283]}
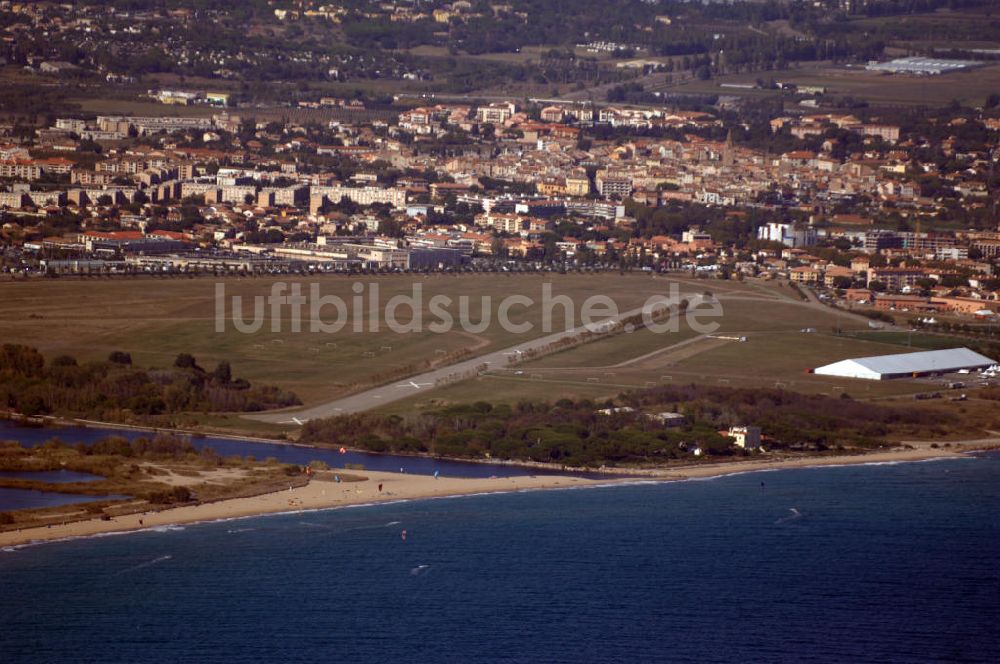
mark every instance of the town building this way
{"type": "Point", "coordinates": [788, 234]}
{"type": "Point", "coordinates": [745, 437]}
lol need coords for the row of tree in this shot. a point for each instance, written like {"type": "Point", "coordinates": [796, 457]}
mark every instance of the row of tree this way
{"type": "Point", "coordinates": [585, 433]}
{"type": "Point", "coordinates": [114, 389]}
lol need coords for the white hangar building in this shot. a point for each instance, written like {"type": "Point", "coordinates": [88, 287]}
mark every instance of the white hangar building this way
{"type": "Point", "coordinates": [906, 365]}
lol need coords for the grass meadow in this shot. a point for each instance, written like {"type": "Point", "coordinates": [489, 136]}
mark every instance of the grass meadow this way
{"type": "Point", "coordinates": [156, 319]}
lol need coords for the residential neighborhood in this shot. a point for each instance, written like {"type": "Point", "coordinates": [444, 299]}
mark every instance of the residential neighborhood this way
{"type": "Point", "coordinates": [870, 213]}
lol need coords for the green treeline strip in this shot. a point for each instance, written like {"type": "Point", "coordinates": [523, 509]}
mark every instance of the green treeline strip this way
{"type": "Point", "coordinates": [31, 386]}
{"type": "Point", "coordinates": [575, 433]}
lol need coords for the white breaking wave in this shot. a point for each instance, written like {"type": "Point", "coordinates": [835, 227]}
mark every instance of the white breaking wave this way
{"type": "Point", "coordinates": [795, 514]}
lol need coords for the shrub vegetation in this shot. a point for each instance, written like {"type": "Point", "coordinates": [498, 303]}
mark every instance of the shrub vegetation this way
{"type": "Point", "coordinates": [115, 389]}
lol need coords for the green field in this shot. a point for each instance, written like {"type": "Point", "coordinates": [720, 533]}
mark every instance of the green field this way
{"type": "Point", "coordinates": [777, 353]}
{"type": "Point", "coordinates": [113, 106]}
{"type": "Point", "coordinates": [916, 340]}
{"type": "Point", "coordinates": [614, 350]}
{"type": "Point", "coordinates": [502, 389]}
{"type": "Point", "coordinates": [780, 359]}
{"type": "Point", "coordinates": [969, 87]}
{"type": "Point", "coordinates": [156, 319]}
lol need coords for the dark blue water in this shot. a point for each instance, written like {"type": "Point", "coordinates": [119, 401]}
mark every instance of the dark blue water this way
{"type": "Point", "coordinates": [284, 453]}
{"type": "Point", "coordinates": [19, 499]}
{"type": "Point", "coordinates": [61, 476]}
{"type": "Point", "coordinates": [862, 564]}
{"type": "Point", "coordinates": [22, 499]}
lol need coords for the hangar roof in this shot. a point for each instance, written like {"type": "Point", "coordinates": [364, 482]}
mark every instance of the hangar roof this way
{"type": "Point", "coordinates": [949, 359]}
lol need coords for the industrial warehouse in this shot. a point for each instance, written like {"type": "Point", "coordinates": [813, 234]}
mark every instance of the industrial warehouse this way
{"type": "Point", "coordinates": [907, 365]}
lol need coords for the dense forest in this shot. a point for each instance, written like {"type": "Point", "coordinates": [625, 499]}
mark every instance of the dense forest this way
{"type": "Point", "coordinates": [114, 389]}
{"type": "Point", "coordinates": [627, 431]}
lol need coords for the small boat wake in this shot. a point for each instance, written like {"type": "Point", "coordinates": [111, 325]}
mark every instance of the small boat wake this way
{"type": "Point", "coordinates": [339, 530]}
{"type": "Point", "coordinates": [795, 514]}
{"type": "Point", "coordinates": [420, 570]}
{"type": "Point", "coordinates": [315, 525]}
{"type": "Point", "coordinates": [148, 563]}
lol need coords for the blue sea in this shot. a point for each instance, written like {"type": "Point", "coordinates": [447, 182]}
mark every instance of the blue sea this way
{"type": "Point", "coordinates": [879, 563]}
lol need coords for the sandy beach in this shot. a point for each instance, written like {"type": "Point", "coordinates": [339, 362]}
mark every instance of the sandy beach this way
{"type": "Point", "coordinates": [318, 494]}
{"type": "Point", "coordinates": [321, 494]}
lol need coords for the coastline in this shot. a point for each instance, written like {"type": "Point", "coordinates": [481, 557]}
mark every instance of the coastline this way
{"type": "Point", "coordinates": [49, 421]}
{"type": "Point", "coordinates": [694, 470]}
{"type": "Point", "coordinates": [321, 494]}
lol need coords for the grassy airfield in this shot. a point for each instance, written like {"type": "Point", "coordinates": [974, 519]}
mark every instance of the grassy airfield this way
{"type": "Point", "coordinates": [156, 319]}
